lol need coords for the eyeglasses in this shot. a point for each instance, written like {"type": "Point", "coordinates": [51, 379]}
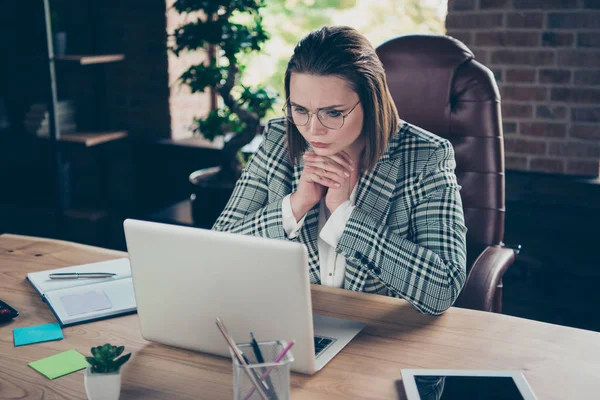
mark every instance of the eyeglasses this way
{"type": "Point", "coordinates": [330, 119]}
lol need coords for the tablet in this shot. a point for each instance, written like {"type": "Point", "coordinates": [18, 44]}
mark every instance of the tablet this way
{"type": "Point", "coordinates": [454, 384]}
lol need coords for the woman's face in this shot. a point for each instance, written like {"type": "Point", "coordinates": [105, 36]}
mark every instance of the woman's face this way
{"type": "Point", "coordinates": [333, 95]}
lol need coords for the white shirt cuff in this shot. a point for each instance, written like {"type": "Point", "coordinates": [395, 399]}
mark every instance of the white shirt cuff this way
{"type": "Point", "coordinates": [290, 226]}
{"type": "Point", "coordinates": [334, 227]}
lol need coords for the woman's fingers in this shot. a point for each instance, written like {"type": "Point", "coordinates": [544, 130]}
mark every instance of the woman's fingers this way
{"type": "Point", "coordinates": [335, 173]}
{"type": "Point", "coordinates": [322, 177]}
{"type": "Point", "coordinates": [342, 158]}
{"type": "Point", "coordinates": [328, 164]}
{"type": "Point", "coordinates": [329, 167]}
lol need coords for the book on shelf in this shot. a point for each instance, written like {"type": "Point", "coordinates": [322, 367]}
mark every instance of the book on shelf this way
{"type": "Point", "coordinates": [61, 106]}
{"type": "Point", "coordinates": [44, 121]}
{"type": "Point", "coordinates": [45, 132]}
{"type": "Point", "coordinates": [37, 119]}
{"type": "Point", "coordinates": [42, 115]}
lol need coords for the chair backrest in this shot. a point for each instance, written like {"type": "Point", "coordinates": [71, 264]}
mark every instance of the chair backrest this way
{"type": "Point", "coordinates": [437, 85]}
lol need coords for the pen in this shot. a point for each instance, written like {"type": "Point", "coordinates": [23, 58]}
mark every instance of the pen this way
{"type": "Point", "coordinates": [269, 390]}
{"type": "Point", "coordinates": [256, 349]}
{"type": "Point", "coordinates": [277, 359]}
{"type": "Point", "coordinates": [238, 355]}
{"type": "Point", "coordinates": [77, 275]}
{"type": "Point", "coordinates": [259, 357]}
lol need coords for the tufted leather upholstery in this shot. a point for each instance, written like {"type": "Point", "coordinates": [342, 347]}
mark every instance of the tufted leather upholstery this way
{"type": "Point", "coordinates": [437, 85]}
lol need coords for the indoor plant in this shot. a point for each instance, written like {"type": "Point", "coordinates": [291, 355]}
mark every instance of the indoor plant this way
{"type": "Point", "coordinates": [103, 375]}
{"type": "Point", "coordinates": [215, 25]}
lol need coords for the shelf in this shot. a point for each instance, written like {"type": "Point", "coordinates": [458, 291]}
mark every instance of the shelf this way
{"type": "Point", "coordinates": [90, 139]}
{"type": "Point", "coordinates": [91, 59]}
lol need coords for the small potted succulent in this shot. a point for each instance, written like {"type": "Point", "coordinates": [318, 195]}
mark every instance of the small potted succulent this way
{"type": "Point", "coordinates": [103, 375]}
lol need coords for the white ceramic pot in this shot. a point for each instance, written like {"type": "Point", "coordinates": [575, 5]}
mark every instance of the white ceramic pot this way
{"type": "Point", "coordinates": [102, 386]}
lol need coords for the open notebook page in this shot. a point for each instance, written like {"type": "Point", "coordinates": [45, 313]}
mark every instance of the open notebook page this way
{"type": "Point", "coordinates": [77, 304]}
{"type": "Point", "coordinates": [44, 284]}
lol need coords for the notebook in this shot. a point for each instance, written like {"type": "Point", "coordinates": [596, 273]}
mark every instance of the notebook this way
{"type": "Point", "coordinates": [75, 301]}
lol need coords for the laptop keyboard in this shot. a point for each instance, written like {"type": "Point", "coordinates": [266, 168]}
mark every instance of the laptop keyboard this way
{"type": "Point", "coordinates": [321, 343]}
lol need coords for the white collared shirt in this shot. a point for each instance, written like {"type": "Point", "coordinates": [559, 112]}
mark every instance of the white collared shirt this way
{"type": "Point", "coordinates": [332, 264]}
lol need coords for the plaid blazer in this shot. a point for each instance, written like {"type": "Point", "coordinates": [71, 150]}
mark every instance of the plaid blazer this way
{"type": "Point", "coordinates": [406, 236]}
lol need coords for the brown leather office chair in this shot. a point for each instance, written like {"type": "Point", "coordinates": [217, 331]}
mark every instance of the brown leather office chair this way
{"type": "Point", "coordinates": [437, 85]}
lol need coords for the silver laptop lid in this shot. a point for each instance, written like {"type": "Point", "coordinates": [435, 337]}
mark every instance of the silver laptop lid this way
{"type": "Point", "coordinates": [185, 277]}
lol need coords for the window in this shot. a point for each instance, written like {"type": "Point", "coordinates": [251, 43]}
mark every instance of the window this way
{"type": "Point", "coordinates": [287, 21]}
{"type": "Point", "coordinates": [379, 20]}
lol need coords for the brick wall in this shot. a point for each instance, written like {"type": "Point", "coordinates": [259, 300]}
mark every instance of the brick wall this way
{"type": "Point", "coordinates": [546, 57]}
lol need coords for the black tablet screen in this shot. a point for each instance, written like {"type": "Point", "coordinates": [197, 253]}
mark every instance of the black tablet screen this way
{"type": "Point", "coordinates": [467, 388]}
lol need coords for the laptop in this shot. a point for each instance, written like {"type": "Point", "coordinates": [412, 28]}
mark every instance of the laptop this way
{"type": "Point", "coordinates": [184, 278]}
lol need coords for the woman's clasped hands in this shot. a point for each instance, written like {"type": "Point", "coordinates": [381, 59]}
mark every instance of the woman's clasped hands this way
{"type": "Point", "coordinates": [331, 177]}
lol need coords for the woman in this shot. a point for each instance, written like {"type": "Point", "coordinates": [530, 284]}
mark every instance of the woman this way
{"type": "Point", "coordinates": [374, 199]}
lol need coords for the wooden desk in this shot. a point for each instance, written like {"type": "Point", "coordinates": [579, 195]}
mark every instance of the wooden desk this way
{"type": "Point", "coordinates": [559, 362]}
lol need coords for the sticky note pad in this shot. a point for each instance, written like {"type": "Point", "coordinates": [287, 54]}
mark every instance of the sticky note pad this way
{"type": "Point", "coordinates": [37, 334]}
{"type": "Point", "coordinates": [60, 364]}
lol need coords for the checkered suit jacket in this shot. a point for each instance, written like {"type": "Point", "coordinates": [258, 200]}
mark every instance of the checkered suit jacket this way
{"type": "Point", "coordinates": [406, 236]}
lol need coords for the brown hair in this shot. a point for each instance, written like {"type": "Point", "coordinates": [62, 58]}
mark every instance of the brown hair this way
{"type": "Point", "coordinates": [343, 52]}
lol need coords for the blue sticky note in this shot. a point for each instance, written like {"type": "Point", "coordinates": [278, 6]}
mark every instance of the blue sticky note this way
{"type": "Point", "coordinates": [37, 334]}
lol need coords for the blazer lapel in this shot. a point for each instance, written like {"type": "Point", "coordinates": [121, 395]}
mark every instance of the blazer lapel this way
{"type": "Point", "coordinates": [374, 192]}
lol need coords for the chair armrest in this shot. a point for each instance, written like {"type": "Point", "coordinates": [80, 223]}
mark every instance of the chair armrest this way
{"type": "Point", "coordinates": [484, 278]}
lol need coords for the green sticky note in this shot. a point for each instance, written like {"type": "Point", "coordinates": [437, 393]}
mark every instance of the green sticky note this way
{"type": "Point", "coordinates": [60, 364]}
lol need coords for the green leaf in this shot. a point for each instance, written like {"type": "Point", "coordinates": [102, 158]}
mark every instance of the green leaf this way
{"type": "Point", "coordinates": [259, 99]}
{"type": "Point", "coordinates": [199, 77]}
{"type": "Point", "coordinates": [92, 361]}
{"type": "Point", "coordinates": [217, 123]}
{"type": "Point", "coordinates": [197, 34]}
{"type": "Point", "coordinates": [105, 358]}
{"type": "Point", "coordinates": [122, 360]}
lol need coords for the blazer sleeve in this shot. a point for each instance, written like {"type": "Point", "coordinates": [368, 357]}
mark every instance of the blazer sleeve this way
{"type": "Point", "coordinates": [428, 267]}
{"type": "Point", "coordinates": [249, 210]}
